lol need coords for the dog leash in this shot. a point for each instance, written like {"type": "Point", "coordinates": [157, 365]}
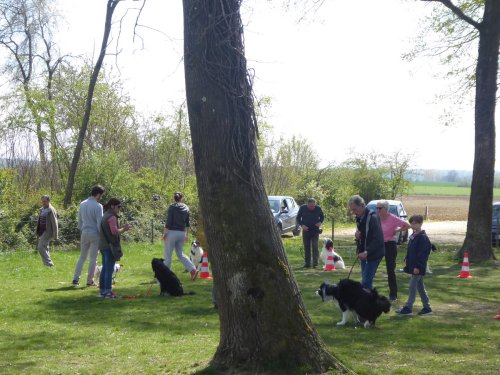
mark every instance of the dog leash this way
{"type": "Point", "coordinates": [355, 261]}
{"type": "Point", "coordinates": [147, 294]}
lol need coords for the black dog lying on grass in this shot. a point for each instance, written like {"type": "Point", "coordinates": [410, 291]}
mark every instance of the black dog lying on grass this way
{"type": "Point", "coordinates": [365, 306]}
{"type": "Point", "coordinates": [170, 284]}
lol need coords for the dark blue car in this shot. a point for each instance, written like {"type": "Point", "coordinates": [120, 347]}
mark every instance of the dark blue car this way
{"type": "Point", "coordinates": [495, 225]}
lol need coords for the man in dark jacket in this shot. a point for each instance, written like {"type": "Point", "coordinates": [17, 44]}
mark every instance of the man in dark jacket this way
{"type": "Point", "coordinates": [309, 218]}
{"type": "Point", "coordinates": [369, 239]}
{"type": "Point", "coordinates": [47, 229]}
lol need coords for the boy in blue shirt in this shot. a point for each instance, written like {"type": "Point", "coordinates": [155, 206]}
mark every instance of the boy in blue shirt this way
{"type": "Point", "coordinates": [419, 248]}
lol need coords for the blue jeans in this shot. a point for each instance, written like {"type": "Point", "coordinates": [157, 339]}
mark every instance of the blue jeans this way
{"type": "Point", "coordinates": [417, 285]}
{"type": "Point", "coordinates": [368, 270]}
{"type": "Point", "coordinates": [108, 266]}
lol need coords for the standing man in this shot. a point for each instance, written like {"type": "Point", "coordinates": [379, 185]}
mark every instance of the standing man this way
{"type": "Point", "coordinates": [369, 239]}
{"type": "Point", "coordinates": [309, 218]}
{"type": "Point", "coordinates": [89, 221]}
{"type": "Point", "coordinates": [391, 225]}
{"type": "Point", "coordinates": [46, 229]}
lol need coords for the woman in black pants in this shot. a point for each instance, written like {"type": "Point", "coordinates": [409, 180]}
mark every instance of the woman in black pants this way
{"type": "Point", "coordinates": [391, 224]}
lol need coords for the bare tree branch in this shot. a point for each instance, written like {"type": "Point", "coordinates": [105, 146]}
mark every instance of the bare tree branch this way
{"type": "Point", "coordinates": [457, 11]}
{"type": "Point", "coordinates": [110, 8]}
{"type": "Point", "coordinates": [137, 19]}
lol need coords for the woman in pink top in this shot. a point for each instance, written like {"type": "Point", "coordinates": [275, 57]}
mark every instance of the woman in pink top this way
{"type": "Point", "coordinates": [391, 224]}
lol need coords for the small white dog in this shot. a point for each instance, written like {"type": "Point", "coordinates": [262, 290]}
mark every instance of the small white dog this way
{"type": "Point", "coordinates": [196, 254]}
{"type": "Point", "coordinates": [337, 259]}
{"type": "Point", "coordinates": [98, 270]}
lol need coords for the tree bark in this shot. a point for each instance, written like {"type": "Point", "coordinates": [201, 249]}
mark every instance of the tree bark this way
{"type": "Point", "coordinates": [265, 327]}
{"type": "Point", "coordinates": [110, 8]}
{"type": "Point", "coordinates": [478, 237]}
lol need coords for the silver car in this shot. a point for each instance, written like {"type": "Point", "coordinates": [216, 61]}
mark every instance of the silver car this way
{"type": "Point", "coordinates": [284, 210]}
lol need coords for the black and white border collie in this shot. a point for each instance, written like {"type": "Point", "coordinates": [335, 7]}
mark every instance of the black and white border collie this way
{"type": "Point", "coordinates": [196, 254]}
{"type": "Point", "coordinates": [365, 306]}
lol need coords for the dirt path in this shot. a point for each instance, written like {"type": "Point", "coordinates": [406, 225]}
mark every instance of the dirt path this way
{"type": "Point", "coordinates": [444, 232]}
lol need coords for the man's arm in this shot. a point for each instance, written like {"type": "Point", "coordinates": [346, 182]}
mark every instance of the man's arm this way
{"type": "Point", "coordinates": [80, 218]}
{"type": "Point", "coordinates": [403, 225]}
{"type": "Point", "coordinates": [377, 236]}
{"type": "Point", "coordinates": [298, 219]}
{"type": "Point", "coordinates": [55, 223]}
{"type": "Point", "coordinates": [98, 215]}
{"type": "Point", "coordinates": [321, 217]}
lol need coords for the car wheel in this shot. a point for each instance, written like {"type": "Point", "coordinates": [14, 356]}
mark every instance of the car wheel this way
{"type": "Point", "coordinates": [296, 232]}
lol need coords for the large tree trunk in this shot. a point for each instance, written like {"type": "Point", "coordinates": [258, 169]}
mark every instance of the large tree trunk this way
{"type": "Point", "coordinates": [264, 324]}
{"type": "Point", "coordinates": [478, 238]}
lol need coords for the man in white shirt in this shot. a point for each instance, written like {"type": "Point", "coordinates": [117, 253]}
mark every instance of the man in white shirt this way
{"type": "Point", "coordinates": [89, 221]}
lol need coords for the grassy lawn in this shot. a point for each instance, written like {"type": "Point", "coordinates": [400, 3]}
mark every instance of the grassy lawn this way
{"type": "Point", "coordinates": [48, 326]}
{"type": "Point", "coordinates": [443, 188]}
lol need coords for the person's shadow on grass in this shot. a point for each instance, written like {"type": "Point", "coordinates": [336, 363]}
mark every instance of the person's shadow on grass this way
{"type": "Point", "coordinates": [63, 288]}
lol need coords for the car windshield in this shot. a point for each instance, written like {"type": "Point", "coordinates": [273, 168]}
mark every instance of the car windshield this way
{"type": "Point", "coordinates": [275, 205]}
{"type": "Point", "coordinates": [496, 212]}
{"type": "Point", "coordinates": [393, 209]}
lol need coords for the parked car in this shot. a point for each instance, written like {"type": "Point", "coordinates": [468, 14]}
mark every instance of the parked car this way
{"type": "Point", "coordinates": [495, 225]}
{"type": "Point", "coordinates": [285, 211]}
{"type": "Point", "coordinates": [396, 208]}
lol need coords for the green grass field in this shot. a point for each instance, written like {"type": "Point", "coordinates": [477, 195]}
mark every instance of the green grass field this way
{"type": "Point", "coordinates": [48, 326]}
{"type": "Point", "coordinates": [443, 188]}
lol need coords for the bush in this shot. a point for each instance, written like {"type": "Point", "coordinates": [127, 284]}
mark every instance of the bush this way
{"type": "Point", "coordinates": [11, 240]}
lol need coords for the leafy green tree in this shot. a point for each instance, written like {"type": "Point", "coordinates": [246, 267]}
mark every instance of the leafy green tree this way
{"type": "Point", "coordinates": [26, 35]}
{"type": "Point", "coordinates": [369, 176]}
{"type": "Point", "coordinates": [466, 22]}
{"type": "Point", "coordinates": [264, 140]}
{"type": "Point", "coordinates": [399, 166]}
{"type": "Point", "coordinates": [338, 186]}
{"type": "Point", "coordinates": [288, 165]}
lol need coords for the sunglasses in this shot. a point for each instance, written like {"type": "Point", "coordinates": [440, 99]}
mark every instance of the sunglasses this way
{"type": "Point", "coordinates": [379, 208]}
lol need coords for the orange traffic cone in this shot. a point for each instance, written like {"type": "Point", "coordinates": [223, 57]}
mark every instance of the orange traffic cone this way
{"type": "Point", "coordinates": [465, 273]}
{"type": "Point", "coordinates": [205, 273]}
{"type": "Point", "coordinates": [330, 264]}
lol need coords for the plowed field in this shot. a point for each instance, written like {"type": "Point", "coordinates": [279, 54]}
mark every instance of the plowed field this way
{"type": "Point", "coordinates": [439, 207]}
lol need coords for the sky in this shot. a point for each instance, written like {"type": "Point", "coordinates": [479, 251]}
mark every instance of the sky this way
{"type": "Point", "coordinates": [336, 79]}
